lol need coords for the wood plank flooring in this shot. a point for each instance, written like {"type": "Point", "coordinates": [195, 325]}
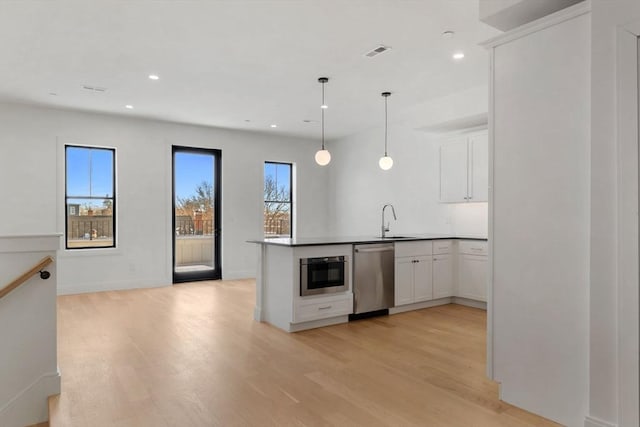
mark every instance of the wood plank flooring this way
{"type": "Point", "coordinates": [191, 355]}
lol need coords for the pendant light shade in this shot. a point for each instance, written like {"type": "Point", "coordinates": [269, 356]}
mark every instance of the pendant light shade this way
{"type": "Point", "coordinates": [323, 157]}
{"type": "Point", "coordinates": [385, 161]}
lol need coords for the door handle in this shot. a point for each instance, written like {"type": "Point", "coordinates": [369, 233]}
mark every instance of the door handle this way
{"type": "Point", "coordinates": [374, 250]}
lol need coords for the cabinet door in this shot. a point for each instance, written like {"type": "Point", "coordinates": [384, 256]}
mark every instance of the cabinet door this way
{"type": "Point", "coordinates": [453, 171]}
{"type": "Point", "coordinates": [473, 277]}
{"type": "Point", "coordinates": [442, 276]}
{"type": "Point", "coordinates": [479, 168]}
{"type": "Point", "coordinates": [403, 281]}
{"type": "Point", "coordinates": [422, 280]}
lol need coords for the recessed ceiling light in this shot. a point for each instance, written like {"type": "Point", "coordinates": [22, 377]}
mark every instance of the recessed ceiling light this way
{"type": "Point", "coordinates": [274, 126]}
{"type": "Point", "coordinates": [458, 55]}
{"type": "Point", "coordinates": [448, 34]}
{"type": "Point", "coordinates": [377, 51]}
{"type": "Point", "coordinates": [324, 106]}
{"type": "Point", "coordinates": [153, 77]}
{"type": "Point", "coordinates": [128, 107]}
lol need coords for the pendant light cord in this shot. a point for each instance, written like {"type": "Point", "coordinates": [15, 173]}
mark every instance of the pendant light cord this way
{"type": "Point", "coordinates": [322, 109]}
{"type": "Point", "coordinates": [385, 126]}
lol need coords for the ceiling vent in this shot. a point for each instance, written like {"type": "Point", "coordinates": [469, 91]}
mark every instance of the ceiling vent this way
{"type": "Point", "coordinates": [94, 88]}
{"type": "Point", "coordinates": [377, 51]}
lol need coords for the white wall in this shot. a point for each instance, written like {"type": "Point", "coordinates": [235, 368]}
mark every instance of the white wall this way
{"type": "Point", "coordinates": [360, 188]}
{"type": "Point", "coordinates": [605, 17]}
{"type": "Point", "coordinates": [469, 219]}
{"type": "Point", "coordinates": [540, 232]}
{"type": "Point", "coordinates": [28, 355]}
{"type": "Point", "coordinates": [32, 168]}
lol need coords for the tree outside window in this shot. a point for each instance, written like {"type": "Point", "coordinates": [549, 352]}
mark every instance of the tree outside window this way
{"type": "Point", "coordinates": [278, 199]}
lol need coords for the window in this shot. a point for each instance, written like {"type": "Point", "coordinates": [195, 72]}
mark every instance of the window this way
{"type": "Point", "coordinates": [90, 197]}
{"type": "Point", "coordinates": [278, 200]}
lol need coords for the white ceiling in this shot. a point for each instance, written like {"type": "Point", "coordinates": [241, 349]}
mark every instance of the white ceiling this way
{"type": "Point", "coordinates": [223, 62]}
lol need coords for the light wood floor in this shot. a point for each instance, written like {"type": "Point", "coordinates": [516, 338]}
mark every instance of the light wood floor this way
{"type": "Point", "coordinates": [191, 355]}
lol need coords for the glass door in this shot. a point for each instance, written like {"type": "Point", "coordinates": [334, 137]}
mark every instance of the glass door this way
{"type": "Point", "coordinates": [196, 214]}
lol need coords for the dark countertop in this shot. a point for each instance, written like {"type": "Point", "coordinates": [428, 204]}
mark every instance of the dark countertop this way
{"type": "Point", "coordinates": [350, 240]}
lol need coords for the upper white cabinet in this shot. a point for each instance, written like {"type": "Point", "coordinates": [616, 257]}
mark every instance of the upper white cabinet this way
{"type": "Point", "coordinates": [478, 184]}
{"type": "Point", "coordinates": [453, 170]}
{"type": "Point", "coordinates": [464, 169]}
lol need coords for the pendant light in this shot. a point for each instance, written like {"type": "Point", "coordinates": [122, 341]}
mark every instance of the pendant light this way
{"type": "Point", "coordinates": [323, 157]}
{"type": "Point", "coordinates": [385, 162]}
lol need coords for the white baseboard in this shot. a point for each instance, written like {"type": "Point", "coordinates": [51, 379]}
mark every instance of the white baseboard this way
{"type": "Point", "coordinates": [75, 288]}
{"type": "Point", "coordinates": [30, 406]}
{"type": "Point", "coordinates": [419, 305]}
{"type": "Point", "coordinates": [470, 302]}
{"type": "Point", "coordinates": [257, 314]}
{"type": "Point", "coordinates": [122, 285]}
{"type": "Point", "coordinates": [296, 327]}
{"type": "Point", "coordinates": [595, 422]}
{"type": "Point", "coordinates": [238, 274]}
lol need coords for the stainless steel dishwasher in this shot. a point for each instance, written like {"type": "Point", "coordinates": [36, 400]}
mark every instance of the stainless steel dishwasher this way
{"type": "Point", "coordinates": [373, 282]}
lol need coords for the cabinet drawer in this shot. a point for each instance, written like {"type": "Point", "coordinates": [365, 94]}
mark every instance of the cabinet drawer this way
{"type": "Point", "coordinates": [473, 247]}
{"type": "Point", "coordinates": [418, 248]}
{"type": "Point", "coordinates": [441, 247]}
{"type": "Point", "coordinates": [313, 310]}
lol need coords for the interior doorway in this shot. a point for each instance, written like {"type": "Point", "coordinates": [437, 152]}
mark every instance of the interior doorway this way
{"type": "Point", "coordinates": [196, 209]}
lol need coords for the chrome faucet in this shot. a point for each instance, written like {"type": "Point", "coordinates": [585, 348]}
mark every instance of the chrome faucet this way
{"type": "Point", "coordinates": [386, 228]}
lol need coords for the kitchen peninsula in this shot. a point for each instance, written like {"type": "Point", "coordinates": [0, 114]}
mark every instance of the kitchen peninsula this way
{"type": "Point", "coordinates": [427, 270]}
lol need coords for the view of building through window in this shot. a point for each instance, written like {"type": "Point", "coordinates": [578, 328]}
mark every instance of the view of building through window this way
{"type": "Point", "coordinates": [90, 197]}
{"type": "Point", "coordinates": [278, 199]}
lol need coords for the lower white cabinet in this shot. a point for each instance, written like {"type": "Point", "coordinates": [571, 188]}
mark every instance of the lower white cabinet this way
{"type": "Point", "coordinates": [473, 277]}
{"type": "Point", "coordinates": [404, 281]}
{"type": "Point", "coordinates": [422, 280]}
{"type": "Point", "coordinates": [413, 282]}
{"type": "Point", "coordinates": [442, 276]}
{"type": "Point", "coordinates": [473, 270]}
{"type": "Point", "coordinates": [324, 307]}
{"type": "Point", "coordinates": [440, 269]}
{"type": "Point", "coordinates": [413, 269]}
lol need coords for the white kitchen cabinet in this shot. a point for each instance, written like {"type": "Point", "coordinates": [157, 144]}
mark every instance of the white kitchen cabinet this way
{"type": "Point", "coordinates": [473, 277]}
{"type": "Point", "coordinates": [464, 169]}
{"type": "Point", "coordinates": [442, 276]}
{"type": "Point", "coordinates": [478, 168]}
{"type": "Point", "coordinates": [413, 272]}
{"type": "Point", "coordinates": [323, 307]}
{"type": "Point", "coordinates": [404, 282]}
{"type": "Point", "coordinates": [422, 279]}
{"type": "Point", "coordinates": [453, 171]}
{"type": "Point", "coordinates": [473, 270]}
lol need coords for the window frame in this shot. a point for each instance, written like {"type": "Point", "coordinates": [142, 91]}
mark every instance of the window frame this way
{"type": "Point", "coordinates": [264, 202]}
{"type": "Point", "coordinates": [112, 198]}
